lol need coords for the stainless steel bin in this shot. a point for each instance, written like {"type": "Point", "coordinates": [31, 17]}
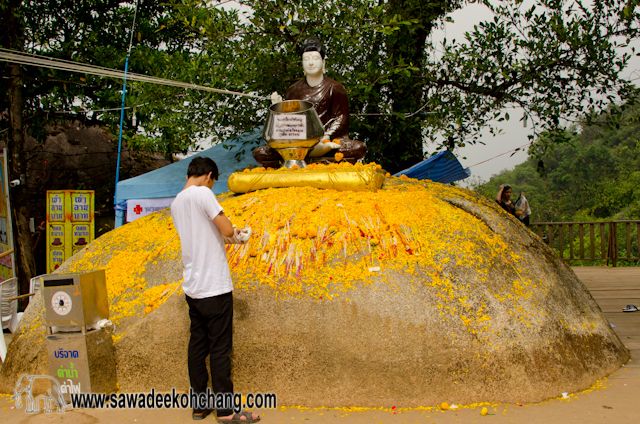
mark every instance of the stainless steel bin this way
{"type": "Point", "coordinates": [75, 299]}
{"type": "Point", "coordinates": [81, 354]}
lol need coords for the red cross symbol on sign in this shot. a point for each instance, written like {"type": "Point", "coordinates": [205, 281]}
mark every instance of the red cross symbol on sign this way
{"type": "Point", "coordinates": [137, 209]}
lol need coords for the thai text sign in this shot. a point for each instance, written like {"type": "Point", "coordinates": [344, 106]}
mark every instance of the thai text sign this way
{"type": "Point", "coordinates": [70, 224]}
{"type": "Point", "coordinates": [290, 127]}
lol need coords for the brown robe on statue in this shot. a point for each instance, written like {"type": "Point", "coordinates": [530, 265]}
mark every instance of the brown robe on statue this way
{"type": "Point", "coordinates": [332, 104]}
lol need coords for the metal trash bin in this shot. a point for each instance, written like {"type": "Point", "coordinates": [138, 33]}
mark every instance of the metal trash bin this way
{"type": "Point", "coordinates": [81, 355]}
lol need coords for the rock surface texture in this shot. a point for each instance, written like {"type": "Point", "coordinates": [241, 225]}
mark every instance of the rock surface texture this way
{"type": "Point", "coordinates": [467, 305]}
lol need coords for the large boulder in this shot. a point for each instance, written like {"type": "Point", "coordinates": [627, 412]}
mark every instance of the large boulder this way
{"type": "Point", "coordinates": [467, 304]}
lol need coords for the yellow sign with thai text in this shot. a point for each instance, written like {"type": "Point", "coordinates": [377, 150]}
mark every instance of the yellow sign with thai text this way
{"type": "Point", "coordinates": [70, 224]}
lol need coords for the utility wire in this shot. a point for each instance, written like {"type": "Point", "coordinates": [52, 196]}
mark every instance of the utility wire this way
{"type": "Point", "coordinates": [501, 154]}
{"type": "Point", "coordinates": [406, 115]}
{"type": "Point", "coordinates": [124, 93]}
{"type": "Point", "coordinates": [13, 56]}
{"type": "Point", "coordinates": [98, 110]}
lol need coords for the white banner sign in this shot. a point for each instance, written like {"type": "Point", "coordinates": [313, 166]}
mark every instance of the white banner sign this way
{"type": "Point", "coordinates": [137, 208]}
{"type": "Point", "coordinates": [290, 127]}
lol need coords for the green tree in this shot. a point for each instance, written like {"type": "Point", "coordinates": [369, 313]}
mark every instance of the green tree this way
{"type": "Point", "coordinates": [374, 48]}
{"type": "Point", "coordinates": [556, 59]}
{"type": "Point", "coordinates": [12, 38]}
{"type": "Point", "coordinates": [89, 32]}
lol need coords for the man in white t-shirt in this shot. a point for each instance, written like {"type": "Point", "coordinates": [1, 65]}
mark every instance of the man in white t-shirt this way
{"type": "Point", "coordinates": [201, 225]}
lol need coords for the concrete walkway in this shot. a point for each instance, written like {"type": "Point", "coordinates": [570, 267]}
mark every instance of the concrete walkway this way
{"type": "Point", "coordinates": [614, 400]}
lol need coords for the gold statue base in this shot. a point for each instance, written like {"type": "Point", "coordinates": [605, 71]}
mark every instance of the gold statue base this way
{"type": "Point", "coordinates": [352, 178]}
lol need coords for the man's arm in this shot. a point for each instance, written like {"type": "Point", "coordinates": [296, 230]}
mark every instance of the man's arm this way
{"type": "Point", "coordinates": [223, 224]}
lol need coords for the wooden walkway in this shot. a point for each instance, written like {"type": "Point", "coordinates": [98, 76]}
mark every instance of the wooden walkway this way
{"type": "Point", "coordinates": [614, 289]}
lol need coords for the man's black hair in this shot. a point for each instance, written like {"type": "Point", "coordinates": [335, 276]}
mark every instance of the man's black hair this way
{"type": "Point", "coordinates": [312, 44]}
{"type": "Point", "coordinates": [202, 166]}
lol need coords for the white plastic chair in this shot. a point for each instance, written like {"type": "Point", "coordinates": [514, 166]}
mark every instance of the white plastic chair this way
{"type": "Point", "coordinates": [35, 284]}
{"type": "Point", "coordinates": [8, 311]}
{"type": "Point", "coordinates": [9, 308]}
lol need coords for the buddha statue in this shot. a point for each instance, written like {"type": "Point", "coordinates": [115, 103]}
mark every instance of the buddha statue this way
{"type": "Point", "coordinates": [332, 105]}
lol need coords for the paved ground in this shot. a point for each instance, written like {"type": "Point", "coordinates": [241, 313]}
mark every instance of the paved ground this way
{"type": "Point", "coordinates": [614, 400]}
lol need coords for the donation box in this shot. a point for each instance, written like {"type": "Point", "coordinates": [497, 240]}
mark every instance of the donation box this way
{"type": "Point", "coordinates": [81, 353]}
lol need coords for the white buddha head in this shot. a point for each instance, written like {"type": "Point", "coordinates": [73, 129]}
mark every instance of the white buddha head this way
{"type": "Point", "coordinates": [312, 64]}
{"type": "Point", "coordinates": [313, 55]}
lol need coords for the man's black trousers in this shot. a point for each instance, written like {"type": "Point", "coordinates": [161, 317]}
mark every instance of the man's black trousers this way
{"type": "Point", "coordinates": [211, 334]}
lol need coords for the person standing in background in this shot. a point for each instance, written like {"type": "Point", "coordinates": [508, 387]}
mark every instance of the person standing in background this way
{"type": "Point", "coordinates": [504, 199]}
{"type": "Point", "coordinates": [520, 209]}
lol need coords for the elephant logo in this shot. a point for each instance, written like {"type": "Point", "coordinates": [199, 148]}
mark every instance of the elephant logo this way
{"type": "Point", "coordinates": [24, 385]}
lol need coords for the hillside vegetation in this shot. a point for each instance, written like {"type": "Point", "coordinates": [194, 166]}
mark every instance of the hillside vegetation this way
{"type": "Point", "coordinates": [595, 176]}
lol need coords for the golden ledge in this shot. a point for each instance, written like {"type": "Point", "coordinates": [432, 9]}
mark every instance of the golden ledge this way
{"type": "Point", "coordinates": [341, 178]}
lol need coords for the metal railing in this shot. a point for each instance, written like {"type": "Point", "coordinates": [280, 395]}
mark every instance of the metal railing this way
{"type": "Point", "coordinates": [607, 243]}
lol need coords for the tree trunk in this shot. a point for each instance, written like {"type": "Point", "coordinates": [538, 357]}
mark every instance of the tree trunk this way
{"type": "Point", "coordinates": [400, 141]}
{"type": "Point", "coordinates": [22, 235]}
{"type": "Point", "coordinates": [25, 262]}
{"type": "Point", "coordinates": [408, 46]}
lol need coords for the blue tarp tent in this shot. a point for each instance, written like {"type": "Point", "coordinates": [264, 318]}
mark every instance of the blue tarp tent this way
{"type": "Point", "coordinates": [169, 180]}
{"type": "Point", "coordinates": [442, 168]}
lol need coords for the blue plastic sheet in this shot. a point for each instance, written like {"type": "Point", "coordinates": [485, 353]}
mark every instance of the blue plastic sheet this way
{"type": "Point", "coordinates": [442, 168]}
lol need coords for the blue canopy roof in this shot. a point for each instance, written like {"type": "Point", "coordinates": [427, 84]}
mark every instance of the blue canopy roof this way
{"type": "Point", "coordinates": [169, 180]}
{"type": "Point", "coordinates": [442, 168]}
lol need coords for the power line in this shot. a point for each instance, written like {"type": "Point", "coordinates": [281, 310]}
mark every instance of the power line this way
{"type": "Point", "coordinates": [501, 154]}
{"type": "Point", "coordinates": [100, 110]}
{"type": "Point", "coordinates": [13, 56]}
